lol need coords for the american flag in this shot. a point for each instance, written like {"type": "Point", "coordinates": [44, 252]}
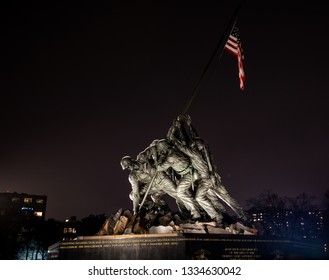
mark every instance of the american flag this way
{"type": "Point", "coordinates": [233, 46]}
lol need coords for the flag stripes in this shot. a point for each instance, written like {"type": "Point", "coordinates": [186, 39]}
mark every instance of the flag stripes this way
{"type": "Point", "coordinates": [233, 46]}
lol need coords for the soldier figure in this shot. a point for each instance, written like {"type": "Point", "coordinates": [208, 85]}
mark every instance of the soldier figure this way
{"type": "Point", "coordinates": [172, 158]}
{"type": "Point", "coordinates": [140, 180]}
{"type": "Point", "coordinates": [201, 174]}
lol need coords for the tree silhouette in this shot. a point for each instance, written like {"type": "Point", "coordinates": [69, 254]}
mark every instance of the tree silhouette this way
{"type": "Point", "coordinates": [36, 237]}
{"type": "Point", "coordinates": [90, 225]}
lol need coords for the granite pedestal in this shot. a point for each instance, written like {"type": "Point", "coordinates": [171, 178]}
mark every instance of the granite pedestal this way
{"type": "Point", "coordinates": [183, 247]}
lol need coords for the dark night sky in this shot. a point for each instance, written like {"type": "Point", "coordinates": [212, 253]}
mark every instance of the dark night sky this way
{"type": "Point", "coordinates": [84, 84]}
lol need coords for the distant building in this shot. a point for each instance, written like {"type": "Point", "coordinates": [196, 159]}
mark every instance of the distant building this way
{"type": "Point", "coordinates": [306, 226]}
{"type": "Point", "coordinates": [21, 217]}
{"type": "Point", "coordinates": [23, 206]}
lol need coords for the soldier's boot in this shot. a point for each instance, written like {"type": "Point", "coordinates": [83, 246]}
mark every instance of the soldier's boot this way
{"type": "Point", "coordinates": [218, 219]}
{"type": "Point", "coordinates": [195, 215]}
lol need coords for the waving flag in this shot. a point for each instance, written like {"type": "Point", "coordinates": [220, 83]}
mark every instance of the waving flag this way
{"type": "Point", "coordinates": [233, 45]}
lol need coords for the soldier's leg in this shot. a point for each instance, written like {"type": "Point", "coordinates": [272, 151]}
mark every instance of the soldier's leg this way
{"type": "Point", "coordinates": [156, 196]}
{"type": "Point", "coordinates": [211, 195]}
{"type": "Point", "coordinates": [205, 203]}
{"type": "Point", "coordinates": [167, 185]}
{"type": "Point", "coordinates": [186, 197]}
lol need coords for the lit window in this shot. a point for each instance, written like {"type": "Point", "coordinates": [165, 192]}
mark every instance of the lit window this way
{"type": "Point", "coordinates": [70, 230]}
{"type": "Point", "coordinates": [27, 200]}
{"type": "Point", "coordinates": [38, 214]}
{"type": "Point", "coordinates": [39, 201]}
{"type": "Point", "coordinates": [27, 208]}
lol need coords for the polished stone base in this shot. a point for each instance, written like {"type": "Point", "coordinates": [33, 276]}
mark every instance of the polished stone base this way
{"type": "Point", "coordinates": [183, 247]}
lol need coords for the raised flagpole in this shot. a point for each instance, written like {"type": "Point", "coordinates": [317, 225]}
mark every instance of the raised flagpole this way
{"type": "Point", "coordinates": [222, 43]}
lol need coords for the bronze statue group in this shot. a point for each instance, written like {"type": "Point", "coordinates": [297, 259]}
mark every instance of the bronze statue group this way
{"type": "Point", "coordinates": [182, 167]}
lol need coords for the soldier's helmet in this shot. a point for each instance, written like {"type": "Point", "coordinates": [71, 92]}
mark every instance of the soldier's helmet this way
{"type": "Point", "coordinates": [125, 162]}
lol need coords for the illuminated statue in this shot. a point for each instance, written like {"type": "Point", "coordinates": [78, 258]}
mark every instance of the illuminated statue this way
{"type": "Point", "coordinates": [182, 167]}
